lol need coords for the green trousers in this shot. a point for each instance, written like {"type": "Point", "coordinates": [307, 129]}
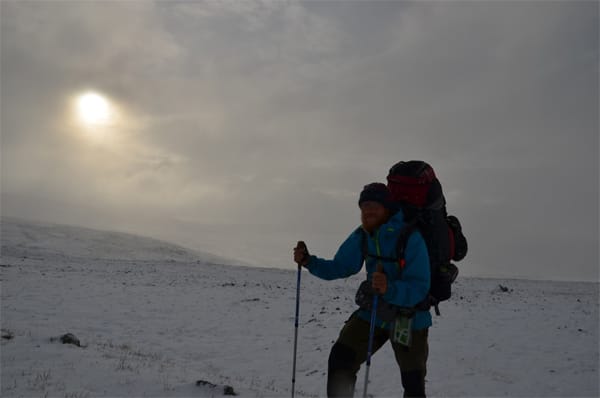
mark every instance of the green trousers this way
{"type": "Point", "coordinates": [350, 351]}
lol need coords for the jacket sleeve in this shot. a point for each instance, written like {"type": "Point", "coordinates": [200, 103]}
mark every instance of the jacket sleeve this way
{"type": "Point", "coordinates": [347, 261]}
{"type": "Point", "coordinates": [416, 276]}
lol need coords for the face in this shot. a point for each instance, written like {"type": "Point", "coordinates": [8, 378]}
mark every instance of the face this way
{"type": "Point", "coordinates": [373, 215]}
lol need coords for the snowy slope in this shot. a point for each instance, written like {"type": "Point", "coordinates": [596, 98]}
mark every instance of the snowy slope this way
{"type": "Point", "coordinates": [21, 238]}
{"type": "Point", "coordinates": [154, 318]}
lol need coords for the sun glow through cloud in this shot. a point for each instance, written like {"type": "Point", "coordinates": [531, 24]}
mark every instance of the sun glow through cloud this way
{"type": "Point", "coordinates": [96, 117]}
{"type": "Point", "coordinates": [93, 109]}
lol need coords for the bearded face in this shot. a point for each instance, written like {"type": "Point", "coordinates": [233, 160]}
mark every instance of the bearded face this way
{"type": "Point", "coordinates": [373, 215]}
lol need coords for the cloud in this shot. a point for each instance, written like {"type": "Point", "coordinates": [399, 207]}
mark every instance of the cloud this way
{"type": "Point", "coordinates": [278, 113]}
{"type": "Point", "coordinates": [90, 37]}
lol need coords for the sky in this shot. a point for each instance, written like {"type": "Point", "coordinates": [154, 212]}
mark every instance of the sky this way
{"type": "Point", "coordinates": [240, 127]}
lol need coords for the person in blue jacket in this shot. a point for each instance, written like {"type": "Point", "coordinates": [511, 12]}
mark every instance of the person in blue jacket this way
{"type": "Point", "coordinates": [403, 285]}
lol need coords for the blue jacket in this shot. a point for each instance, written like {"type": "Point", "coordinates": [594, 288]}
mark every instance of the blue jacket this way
{"type": "Point", "coordinates": [405, 289]}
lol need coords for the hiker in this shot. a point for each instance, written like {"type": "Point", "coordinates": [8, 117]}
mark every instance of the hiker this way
{"type": "Point", "coordinates": [401, 284]}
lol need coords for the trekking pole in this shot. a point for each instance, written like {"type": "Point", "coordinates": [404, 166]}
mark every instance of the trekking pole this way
{"type": "Point", "coordinates": [370, 346]}
{"type": "Point", "coordinates": [296, 321]}
{"type": "Point", "coordinates": [296, 328]}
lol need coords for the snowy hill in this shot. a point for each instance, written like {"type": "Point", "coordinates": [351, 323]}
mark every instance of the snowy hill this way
{"type": "Point", "coordinates": [155, 330]}
{"type": "Point", "coordinates": [21, 238]}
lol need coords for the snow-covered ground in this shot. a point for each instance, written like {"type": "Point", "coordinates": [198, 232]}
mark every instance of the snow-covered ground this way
{"type": "Point", "coordinates": [154, 318]}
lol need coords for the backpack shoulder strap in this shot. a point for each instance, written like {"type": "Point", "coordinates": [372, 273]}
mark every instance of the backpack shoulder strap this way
{"type": "Point", "coordinates": [407, 229]}
{"type": "Point", "coordinates": [364, 245]}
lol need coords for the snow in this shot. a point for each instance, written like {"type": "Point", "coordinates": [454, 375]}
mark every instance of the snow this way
{"type": "Point", "coordinates": [153, 318]}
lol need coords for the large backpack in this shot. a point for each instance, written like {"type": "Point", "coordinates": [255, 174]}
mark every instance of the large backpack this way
{"type": "Point", "coordinates": [416, 189]}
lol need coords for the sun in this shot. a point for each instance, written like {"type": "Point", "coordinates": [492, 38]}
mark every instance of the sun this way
{"type": "Point", "coordinates": [93, 109]}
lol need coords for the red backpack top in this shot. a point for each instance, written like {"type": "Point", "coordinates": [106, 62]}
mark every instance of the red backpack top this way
{"type": "Point", "coordinates": [414, 183]}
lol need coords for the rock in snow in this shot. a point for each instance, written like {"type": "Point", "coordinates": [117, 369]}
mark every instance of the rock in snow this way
{"type": "Point", "coordinates": [227, 390]}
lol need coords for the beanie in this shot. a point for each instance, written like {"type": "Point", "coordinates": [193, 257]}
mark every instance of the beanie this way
{"type": "Point", "coordinates": [376, 192]}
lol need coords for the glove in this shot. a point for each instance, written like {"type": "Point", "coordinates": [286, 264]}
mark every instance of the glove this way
{"type": "Point", "coordinates": [301, 256]}
{"type": "Point", "coordinates": [380, 280]}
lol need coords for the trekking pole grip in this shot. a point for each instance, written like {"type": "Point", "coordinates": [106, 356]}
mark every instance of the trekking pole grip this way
{"type": "Point", "coordinates": [301, 247]}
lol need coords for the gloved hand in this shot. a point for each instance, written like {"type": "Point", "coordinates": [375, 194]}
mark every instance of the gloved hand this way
{"type": "Point", "coordinates": [379, 280]}
{"type": "Point", "coordinates": [301, 256]}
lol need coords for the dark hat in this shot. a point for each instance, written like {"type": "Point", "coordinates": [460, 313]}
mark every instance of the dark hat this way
{"type": "Point", "coordinates": [376, 192]}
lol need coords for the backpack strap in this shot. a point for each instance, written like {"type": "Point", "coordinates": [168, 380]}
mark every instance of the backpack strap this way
{"type": "Point", "coordinates": [401, 243]}
{"type": "Point", "coordinates": [364, 244]}
{"type": "Point", "coordinates": [405, 233]}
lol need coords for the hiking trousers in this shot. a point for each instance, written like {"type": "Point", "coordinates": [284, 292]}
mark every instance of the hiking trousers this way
{"type": "Point", "coordinates": [350, 351]}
